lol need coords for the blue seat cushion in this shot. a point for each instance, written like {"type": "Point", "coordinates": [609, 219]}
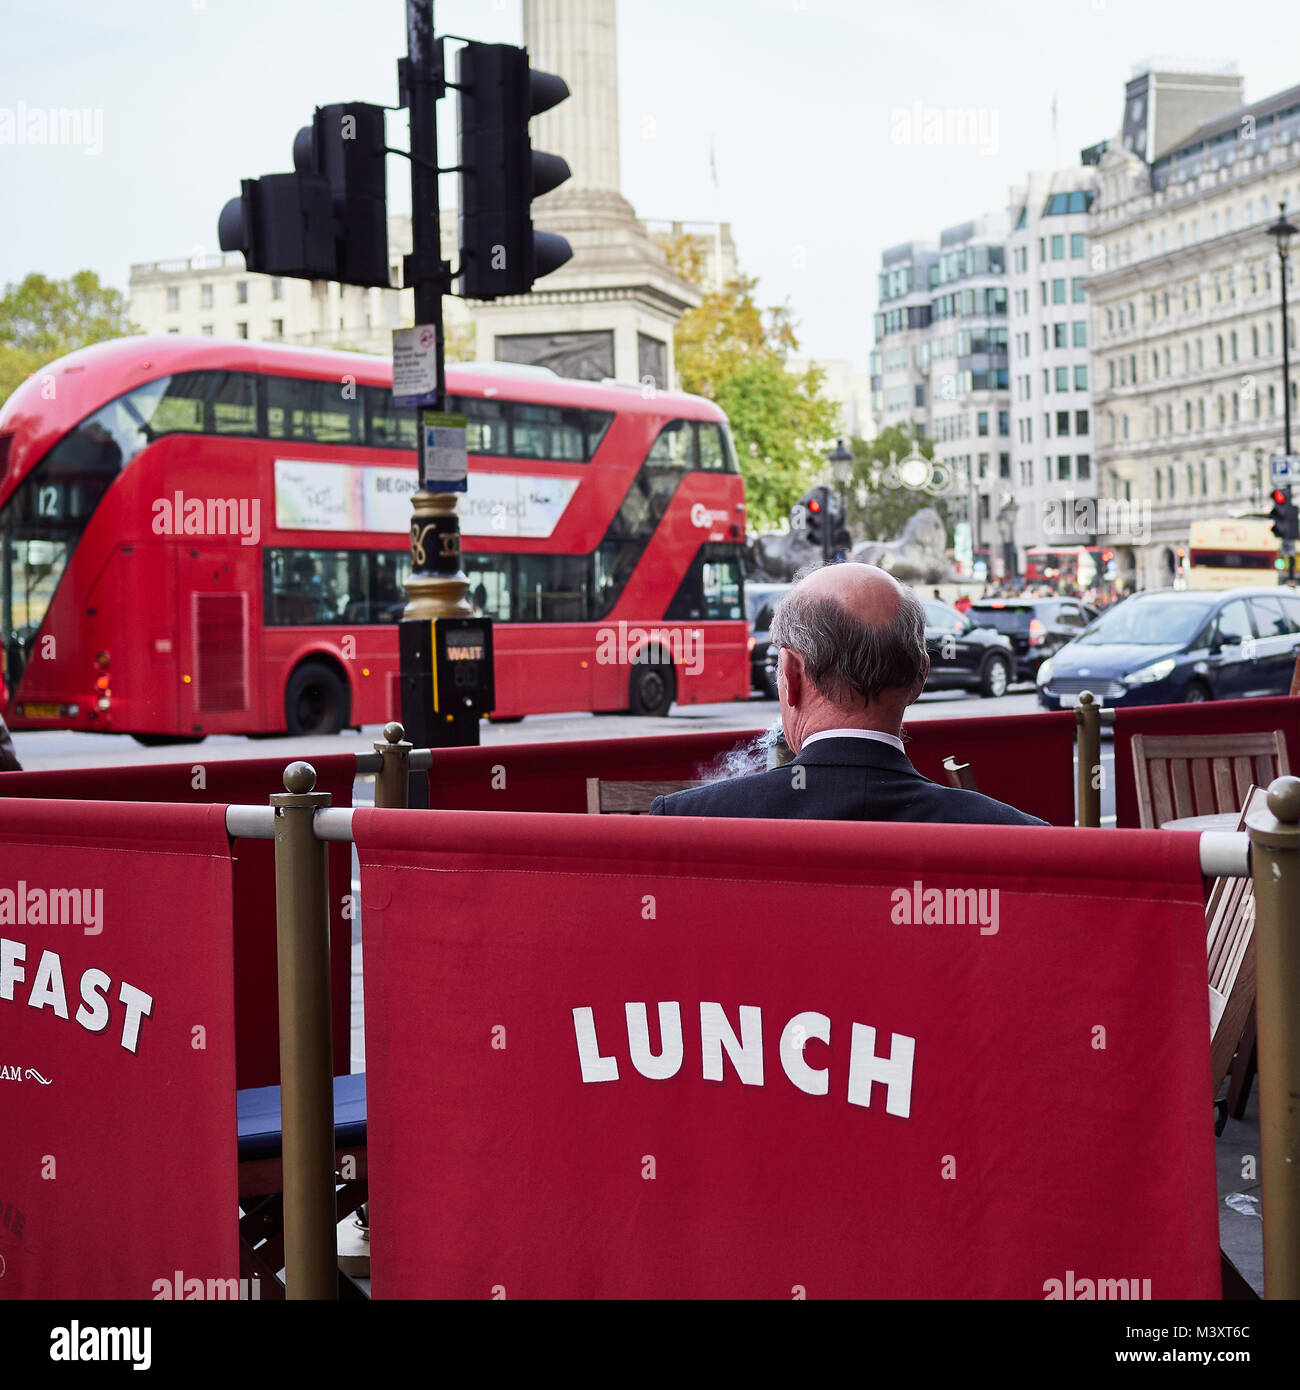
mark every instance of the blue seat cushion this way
{"type": "Point", "coordinates": [258, 1110]}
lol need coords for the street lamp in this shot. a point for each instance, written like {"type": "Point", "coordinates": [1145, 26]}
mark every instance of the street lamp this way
{"type": "Point", "coordinates": [1282, 231]}
{"type": "Point", "coordinates": [1007, 514]}
{"type": "Point", "coordinates": [841, 461]}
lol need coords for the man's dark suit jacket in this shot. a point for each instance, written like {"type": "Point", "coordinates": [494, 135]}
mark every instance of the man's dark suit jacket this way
{"type": "Point", "coordinates": [843, 779]}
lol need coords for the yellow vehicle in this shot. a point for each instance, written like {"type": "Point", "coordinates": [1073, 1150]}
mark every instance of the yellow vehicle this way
{"type": "Point", "coordinates": [1227, 552]}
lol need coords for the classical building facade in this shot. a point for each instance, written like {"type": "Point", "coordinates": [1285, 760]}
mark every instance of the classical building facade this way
{"type": "Point", "coordinates": [1187, 332]}
{"type": "Point", "coordinates": [900, 364]}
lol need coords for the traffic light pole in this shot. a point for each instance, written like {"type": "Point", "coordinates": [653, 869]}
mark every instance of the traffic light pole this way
{"type": "Point", "coordinates": [437, 586]}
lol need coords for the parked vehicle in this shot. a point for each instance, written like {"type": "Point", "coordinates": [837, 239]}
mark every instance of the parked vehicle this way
{"type": "Point", "coordinates": [760, 604]}
{"type": "Point", "coordinates": [1037, 627]}
{"type": "Point", "coordinates": [963, 655]}
{"type": "Point", "coordinates": [1167, 646]}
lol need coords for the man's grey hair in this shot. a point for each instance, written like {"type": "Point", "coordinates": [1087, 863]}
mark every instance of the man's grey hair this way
{"type": "Point", "coordinates": [843, 656]}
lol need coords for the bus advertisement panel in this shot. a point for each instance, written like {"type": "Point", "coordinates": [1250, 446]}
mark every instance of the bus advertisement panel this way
{"type": "Point", "coordinates": [211, 537]}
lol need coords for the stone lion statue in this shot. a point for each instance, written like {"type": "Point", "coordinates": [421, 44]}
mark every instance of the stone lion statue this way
{"type": "Point", "coordinates": [915, 557]}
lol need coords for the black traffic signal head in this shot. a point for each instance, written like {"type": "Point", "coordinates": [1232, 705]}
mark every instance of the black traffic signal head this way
{"type": "Point", "coordinates": [501, 173]}
{"type": "Point", "coordinates": [1278, 513]}
{"type": "Point", "coordinates": [818, 517]}
{"type": "Point", "coordinates": [328, 220]}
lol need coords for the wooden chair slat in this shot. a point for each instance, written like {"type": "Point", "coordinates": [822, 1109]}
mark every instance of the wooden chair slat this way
{"type": "Point", "coordinates": [1203, 787]}
{"type": "Point", "coordinates": [1162, 804]}
{"type": "Point", "coordinates": [628, 798]}
{"type": "Point", "coordinates": [1225, 794]}
{"type": "Point", "coordinates": [1182, 788]}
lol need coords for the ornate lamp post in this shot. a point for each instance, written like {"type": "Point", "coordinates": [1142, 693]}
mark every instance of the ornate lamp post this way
{"type": "Point", "coordinates": [1282, 231]}
{"type": "Point", "coordinates": [1007, 514]}
{"type": "Point", "coordinates": [841, 461]}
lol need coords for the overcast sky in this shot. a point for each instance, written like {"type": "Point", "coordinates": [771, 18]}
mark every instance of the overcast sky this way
{"type": "Point", "coordinates": [805, 99]}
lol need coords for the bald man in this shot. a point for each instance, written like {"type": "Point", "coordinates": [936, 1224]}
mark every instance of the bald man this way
{"type": "Point", "coordinates": [852, 658]}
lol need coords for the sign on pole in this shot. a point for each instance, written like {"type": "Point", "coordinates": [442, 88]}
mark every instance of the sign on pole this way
{"type": "Point", "coordinates": [1285, 469]}
{"type": "Point", "coordinates": [415, 366]}
{"type": "Point", "coordinates": [444, 459]}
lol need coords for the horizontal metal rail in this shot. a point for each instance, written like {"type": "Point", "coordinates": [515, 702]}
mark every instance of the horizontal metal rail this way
{"type": "Point", "coordinates": [1224, 853]}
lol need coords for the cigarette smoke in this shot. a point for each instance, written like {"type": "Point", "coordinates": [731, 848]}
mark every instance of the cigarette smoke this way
{"type": "Point", "coordinates": [745, 759]}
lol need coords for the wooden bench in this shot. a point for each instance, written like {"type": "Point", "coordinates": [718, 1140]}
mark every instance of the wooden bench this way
{"type": "Point", "coordinates": [628, 798]}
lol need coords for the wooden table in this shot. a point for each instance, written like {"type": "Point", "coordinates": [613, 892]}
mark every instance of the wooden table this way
{"type": "Point", "coordinates": [1225, 820]}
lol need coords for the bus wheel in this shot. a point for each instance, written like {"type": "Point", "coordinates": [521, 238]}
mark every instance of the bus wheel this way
{"type": "Point", "coordinates": [316, 701]}
{"type": "Point", "coordinates": [652, 690]}
{"type": "Point", "coordinates": [165, 740]}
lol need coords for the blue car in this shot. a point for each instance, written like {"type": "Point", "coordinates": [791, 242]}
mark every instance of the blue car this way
{"type": "Point", "coordinates": [1166, 646]}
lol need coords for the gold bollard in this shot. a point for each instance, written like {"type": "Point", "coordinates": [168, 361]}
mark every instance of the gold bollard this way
{"type": "Point", "coordinates": [1275, 868]}
{"type": "Point", "coordinates": [391, 780]}
{"type": "Point", "coordinates": [1087, 723]}
{"type": "Point", "coordinates": [306, 1054]}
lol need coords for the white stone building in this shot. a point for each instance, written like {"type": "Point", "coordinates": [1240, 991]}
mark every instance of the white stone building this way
{"type": "Point", "coordinates": [1187, 333]}
{"type": "Point", "coordinates": [1052, 464]}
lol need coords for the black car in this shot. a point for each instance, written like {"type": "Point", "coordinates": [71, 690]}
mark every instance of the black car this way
{"type": "Point", "coordinates": [1038, 627]}
{"type": "Point", "coordinates": [964, 656]}
{"type": "Point", "coordinates": [760, 604]}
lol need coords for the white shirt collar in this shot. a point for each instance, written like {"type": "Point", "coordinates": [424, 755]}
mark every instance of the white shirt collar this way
{"type": "Point", "coordinates": [855, 733]}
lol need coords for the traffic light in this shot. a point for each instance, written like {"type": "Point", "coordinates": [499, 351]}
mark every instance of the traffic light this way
{"type": "Point", "coordinates": [501, 173]}
{"type": "Point", "coordinates": [818, 519]}
{"type": "Point", "coordinates": [329, 219]}
{"type": "Point", "coordinates": [1278, 513]}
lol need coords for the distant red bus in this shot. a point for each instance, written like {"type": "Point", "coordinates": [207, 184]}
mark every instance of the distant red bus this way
{"type": "Point", "coordinates": [202, 537]}
{"type": "Point", "coordinates": [1067, 567]}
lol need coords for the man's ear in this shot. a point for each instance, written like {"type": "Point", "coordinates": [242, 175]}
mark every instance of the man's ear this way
{"type": "Point", "coordinates": [791, 669]}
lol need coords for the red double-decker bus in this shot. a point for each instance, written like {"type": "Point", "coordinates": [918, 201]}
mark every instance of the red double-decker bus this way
{"type": "Point", "coordinates": [211, 537]}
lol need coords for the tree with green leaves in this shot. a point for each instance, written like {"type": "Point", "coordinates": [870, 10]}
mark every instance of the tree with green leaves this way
{"type": "Point", "coordinates": [734, 353]}
{"type": "Point", "coordinates": [879, 502]}
{"type": "Point", "coordinates": [41, 319]}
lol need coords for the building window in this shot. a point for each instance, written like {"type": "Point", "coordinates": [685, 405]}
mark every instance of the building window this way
{"type": "Point", "coordinates": [1042, 285]}
{"type": "Point", "coordinates": [1083, 467]}
{"type": "Point", "coordinates": [1200, 414]}
{"type": "Point", "coordinates": [1079, 291]}
{"type": "Point", "coordinates": [1062, 378]}
{"type": "Point", "coordinates": [1110, 373]}
{"type": "Point", "coordinates": [241, 330]}
{"type": "Point", "coordinates": [205, 296]}
{"type": "Point", "coordinates": [1004, 466]}
{"type": "Point", "coordinates": [1058, 248]}
{"type": "Point", "coordinates": [1205, 480]}
{"type": "Point", "coordinates": [1058, 291]}
{"type": "Point", "coordinates": [1063, 468]}
{"type": "Point", "coordinates": [1223, 411]}
{"type": "Point", "coordinates": [1080, 333]}
{"type": "Point", "coordinates": [1004, 424]}
{"type": "Point", "coordinates": [277, 328]}
{"type": "Point", "coordinates": [174, 299]}
{"type": "Point", "coordinates": [1081, 422]}
{"type": "Point", "coordinates": [1110, 320]}
{"type": "Point", "coordinates": [1076, 246]}
{"type": "Point", "coordinates": [1047, 381]}
{"type": "Point", "coordinates": [1081, 378]}
{"type": "Point", "coordinates": [982, 422]}
{"type": "Point", "coordinates": [1059, 331]}
{"type": "Point", "coordinates": [1187, 423]}
{"type": "Point", "coordinates": [206, 330]}
{"type": "Point", "coordinates": [277, 287]}
{"type": "Point", "coordinates": [1042, 248]}
{"type": "Point", "coordinates": [1047, 425]}
{"type": "Point", "coordinates": [1062, 422]}
{"type": "Point", "coordinates": [241, 291]}
{"type": "Point", "coordinates": [1124, 426]}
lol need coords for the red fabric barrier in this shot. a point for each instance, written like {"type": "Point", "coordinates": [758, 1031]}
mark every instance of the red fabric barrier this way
{"type": "Point", "coordinates": [117, 1067]}
{"type": "Point", "coordinates": [245, 781]}
{"type": "Point", "coordinates": [553, 776]}
{"type": "Point", "coordinates": [1212, 717]}
{"type": "Point", "coordinates": [1047, 1122]}
{"type": "Point", "coordinates": [1024, 760]}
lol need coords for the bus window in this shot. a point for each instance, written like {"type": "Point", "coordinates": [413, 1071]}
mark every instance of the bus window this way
{"type": "Point", "coordinates": [386, 426]}
{"type": "Point", "coordinates": [489, 585]}
{"type": "Point", "coordinates": [315, 412]}
{"type": "Point", "coordinates": [675, 445]}
{"type": "Point", "coordinates": [714, 453]}
{"type": "Point", "coordinates": [615, 562]}
{"type": "Point", "coordinates": [722, 589]}
{"type": "Point", "coordinates": [552, 588]}
{"type": "Point", "coordinates": [546, 432]}
{"type": "Point", "coordinates": [486, 428]}
{"type": "Point", "coordinates": [596, 423]}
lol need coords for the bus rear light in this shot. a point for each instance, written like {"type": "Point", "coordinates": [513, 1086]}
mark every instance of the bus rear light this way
{"type": "Point", "coordinates": [101, 660]}
{"type": "Point", "coordinates": [101, 683]}
{"type": "Point", "coordinates": [74, 711]}
{"type": "Point", "coordinates": [1036, 633]}
{"type": "Point", "coordinates": [103, 702]}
